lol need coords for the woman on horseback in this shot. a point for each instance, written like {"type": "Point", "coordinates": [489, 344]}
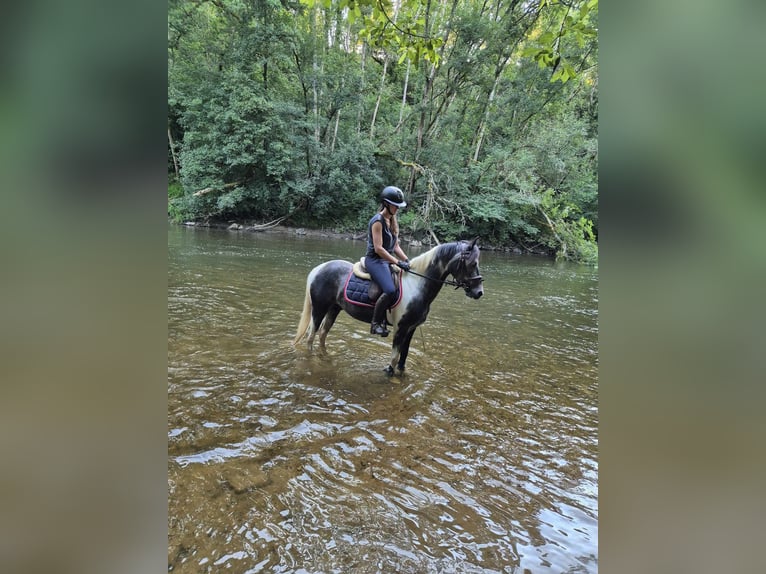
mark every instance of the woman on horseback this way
{"type": "Point", "coordinates": [383, 249]}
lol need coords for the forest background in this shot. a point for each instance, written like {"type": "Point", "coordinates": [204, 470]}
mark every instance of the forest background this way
{"type": "Point", "coordinates": [484, 112]}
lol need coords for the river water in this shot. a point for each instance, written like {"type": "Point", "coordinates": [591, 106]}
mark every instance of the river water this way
{"type": "Point", "coordinates": [483, 458]}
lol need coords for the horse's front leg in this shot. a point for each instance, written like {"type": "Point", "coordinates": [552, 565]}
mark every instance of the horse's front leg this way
{"type": "Point", "coordinates": [400, 350]}
{"type": "Point", "coordinates": [394, 358]}
{"type": "Point", "coordinates": [404, 350]}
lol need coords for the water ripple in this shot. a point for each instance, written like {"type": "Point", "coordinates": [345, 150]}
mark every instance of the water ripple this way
{"type": "Point", "coordinates": [482, 459]}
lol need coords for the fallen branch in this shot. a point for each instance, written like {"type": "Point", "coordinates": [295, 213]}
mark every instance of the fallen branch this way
{"type": "Point", "coordinates": [269, 225]}
{"type": "Point", "coordinates": [214, 189]}
{"type": "Point", "coordinates": [553, 230]}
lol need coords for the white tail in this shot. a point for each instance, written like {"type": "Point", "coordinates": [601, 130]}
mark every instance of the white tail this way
{"type": "Point", "coordinates": [305, 321]}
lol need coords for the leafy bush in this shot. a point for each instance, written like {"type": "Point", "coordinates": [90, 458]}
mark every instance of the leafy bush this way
{"type": "Point", "coordinates": [274, 113]}
{"type": "Point", "coordinates": [571, 237]}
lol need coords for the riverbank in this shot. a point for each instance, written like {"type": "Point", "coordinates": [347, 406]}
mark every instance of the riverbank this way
{"type": "Point", "coordinates": [409, 240]}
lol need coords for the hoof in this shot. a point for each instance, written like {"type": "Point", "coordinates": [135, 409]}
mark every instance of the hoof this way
{"type": "Point", "coordinates": [389, 370]}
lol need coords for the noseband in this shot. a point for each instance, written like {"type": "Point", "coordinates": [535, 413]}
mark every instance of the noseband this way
{"type": "Point", "coordinates": [465, 282]}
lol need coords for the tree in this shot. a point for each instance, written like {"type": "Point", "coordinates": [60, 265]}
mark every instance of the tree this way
{"type": "Point", "coordinates": [484, 111]}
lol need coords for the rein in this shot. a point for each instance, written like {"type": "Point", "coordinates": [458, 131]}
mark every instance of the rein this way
{"type": "Point", "coordinates": [465, 283]}
{"type": "Point", "coordinates": [458, 283]}
{"type": "Point", "coordinates": [444, 281]}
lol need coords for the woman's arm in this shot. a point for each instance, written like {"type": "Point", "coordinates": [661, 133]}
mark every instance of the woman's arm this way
{"type": "Point", "coordinates": [377, 243]}
{"type": "Point", "coordinates": [399, 252]}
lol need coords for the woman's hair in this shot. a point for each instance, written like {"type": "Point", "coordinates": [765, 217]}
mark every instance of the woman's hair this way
{"type": "Point", "coordinates": [394, 221]}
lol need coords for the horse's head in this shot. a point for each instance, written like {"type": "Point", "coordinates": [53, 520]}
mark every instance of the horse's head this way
{"type": "Point", "coordinates": [466, 270]}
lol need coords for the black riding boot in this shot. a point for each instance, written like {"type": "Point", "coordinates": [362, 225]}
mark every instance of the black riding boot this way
{"type": "Point", "coordinates": [378, 326]}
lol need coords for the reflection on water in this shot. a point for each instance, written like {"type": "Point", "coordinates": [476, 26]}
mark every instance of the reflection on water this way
{"type": "Point", "coordinates": [482, 459]}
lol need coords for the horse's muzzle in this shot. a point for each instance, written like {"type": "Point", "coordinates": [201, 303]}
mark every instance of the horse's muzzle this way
{"type": "Point", "coordinates": [473, 286]}
{"type": "Point", "coordinates": [475, 293]}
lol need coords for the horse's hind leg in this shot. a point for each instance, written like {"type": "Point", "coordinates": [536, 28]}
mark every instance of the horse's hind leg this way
{"type": "Point", "coordinates": [316, 321]}
{"type": "Point", "coordinates": [327, 323]}
{"type": "Point", "coordinates": [319, 314]}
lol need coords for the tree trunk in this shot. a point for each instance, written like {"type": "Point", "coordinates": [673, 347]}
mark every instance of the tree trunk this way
{"type": "Point", "coordinates": [360, 107]}
{"type": "Point", "coordinates": [501, 65]}
{"type": "Point", "coordinates": [380, 95]}
{"type": "Point", "coordinates": [315, 75]}
{"type": "Point", "coordinates": [428, 87]}
{"type": "Point", "coordinates": [552, 227]}
{"type": "Point", "coordinates": [173, 153]}
{"type": "Point", "coordinates": [335, 132]}
{"type": "Point", "coordinates": [382, 81]}
{"type": "Point", "coordinates": [404, 93]}
{"type": "Point", "coordinates": [487, 109]}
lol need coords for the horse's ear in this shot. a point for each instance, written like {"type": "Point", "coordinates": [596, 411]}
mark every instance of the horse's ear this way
{"type": "Point", "coordinates": [471, 252]}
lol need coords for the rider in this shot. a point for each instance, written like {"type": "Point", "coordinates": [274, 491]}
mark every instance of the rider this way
{"type": "Point", "coordinates": [382, 250]}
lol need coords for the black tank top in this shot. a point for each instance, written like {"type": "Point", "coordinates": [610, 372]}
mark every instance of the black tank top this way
{"type": "Point", "coordinates": [389, 239]}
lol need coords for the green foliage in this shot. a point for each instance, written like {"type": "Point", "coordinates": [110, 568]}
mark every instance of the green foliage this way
{"type": "Point", "coordinates": [176, 201]}
{"type": "Point", "coordinates": [306, 109]}
{"type": "Point", "coordinates": [571, 236]}
{"type": "Point", "coordinates": [175, 190]}
{"type": "Point", "coordinates": [405, 31]}
{"type": "Point", "coordinates": [564, 24]}
{"type": "Point", "coordinates": [578, 236]}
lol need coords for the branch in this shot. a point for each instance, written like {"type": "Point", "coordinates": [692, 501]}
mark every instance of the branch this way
{"type": "Point", "coordinates": [383, 10]}
{"type": "Point", "coordinates": [432, 234]}
{"type": "Point", "coordinates": [268, 225]}
{"type": "Point", "coordinates": [562, 243]}
{"type": "Point", "coordinates": [215, 189]}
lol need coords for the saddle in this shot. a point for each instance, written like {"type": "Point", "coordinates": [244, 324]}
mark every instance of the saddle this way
{"type": "Point", "coordinates": [360, 289]}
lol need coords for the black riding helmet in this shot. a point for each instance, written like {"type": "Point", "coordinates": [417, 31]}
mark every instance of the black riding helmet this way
{"type": "Point", "coordinates": [394, 196]}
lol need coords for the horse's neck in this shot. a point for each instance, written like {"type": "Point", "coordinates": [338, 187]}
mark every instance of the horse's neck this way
{"type": "Point", "coordinates": [435, 263]}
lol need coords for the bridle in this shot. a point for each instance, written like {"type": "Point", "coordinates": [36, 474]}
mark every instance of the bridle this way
{"type": "Point", "coordinates": [469, 282]}
{"type": "Point", "coordinates": [464, 282]}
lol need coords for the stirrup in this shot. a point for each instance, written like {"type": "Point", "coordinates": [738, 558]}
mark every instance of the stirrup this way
{"type": "Point", "coordinates": [379, 329]}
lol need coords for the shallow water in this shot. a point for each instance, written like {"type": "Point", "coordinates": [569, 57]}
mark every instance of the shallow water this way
{"type": "Point", "coordinates": [483, 458]}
